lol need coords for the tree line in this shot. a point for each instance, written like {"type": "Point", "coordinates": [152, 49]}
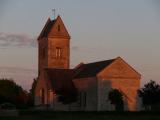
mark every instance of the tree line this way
{"type": "Point", "coordinates": [12, 93]}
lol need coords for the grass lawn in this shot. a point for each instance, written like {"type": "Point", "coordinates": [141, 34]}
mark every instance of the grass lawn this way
{"type": "Point", "coordinates": [51, 115]}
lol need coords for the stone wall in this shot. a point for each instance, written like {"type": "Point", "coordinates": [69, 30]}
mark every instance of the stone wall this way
{"type": "Point", "coordinates": [89, 87]}
{"type": "Point", "coordinates": [121, 76]}
{"type": "Point", "coordinates": [63, 44]}
{"type": "Point", "coordinates": [128, 88]}
{"type": "Point", "coordinates": [104, 86]}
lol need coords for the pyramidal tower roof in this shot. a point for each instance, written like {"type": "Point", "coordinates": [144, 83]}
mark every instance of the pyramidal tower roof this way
{"type": "Point", "coordinates": [54, 28]}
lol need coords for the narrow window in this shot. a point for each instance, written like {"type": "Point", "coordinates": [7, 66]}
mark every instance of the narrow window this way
{"type": "Point", "coordinates": [59, 52]}
{"type": "Point", "coordinates": [42, 96]}
{"type": "Point", "coordinates": [80, 99]}
{"type": "Point", "coordinates": [83, 99]}
{"type": "Point", "coordinates": [43, 52]}
{"type": "Point", "coordinates": [84, 95]}
{"type": "Point", "coordinates": [59, 28]}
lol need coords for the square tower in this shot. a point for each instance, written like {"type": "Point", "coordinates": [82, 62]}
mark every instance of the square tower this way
{"type": "Point", "coordinates": [54, 45]}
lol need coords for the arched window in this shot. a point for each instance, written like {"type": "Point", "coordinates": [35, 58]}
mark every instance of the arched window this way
{"type": "Point", "coordinates": [42, 97]}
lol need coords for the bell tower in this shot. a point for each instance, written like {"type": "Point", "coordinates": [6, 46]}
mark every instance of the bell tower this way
{"type": "Point", "coordinates": [54, 45]}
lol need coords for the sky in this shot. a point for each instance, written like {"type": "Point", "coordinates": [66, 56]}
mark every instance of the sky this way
{"type": "Point", "coordinates": [99, 30]}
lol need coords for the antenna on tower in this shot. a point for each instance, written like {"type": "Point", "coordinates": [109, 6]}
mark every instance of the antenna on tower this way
{"type": "Point", "coordinates": [54, 13]}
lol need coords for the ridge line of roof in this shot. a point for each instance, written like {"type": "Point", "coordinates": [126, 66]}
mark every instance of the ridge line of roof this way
{"type": "Point", "coordinates": [100, 61]}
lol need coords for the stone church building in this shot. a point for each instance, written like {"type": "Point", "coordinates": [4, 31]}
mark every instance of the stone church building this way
{"type": "Point", "coordinates": [85, 87]}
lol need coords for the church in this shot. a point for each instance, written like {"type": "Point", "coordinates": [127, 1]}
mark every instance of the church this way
{"type": "Point", "coordinates": [84, 87]}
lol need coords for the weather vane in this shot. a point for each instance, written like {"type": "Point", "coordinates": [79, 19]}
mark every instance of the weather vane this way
{"type": "Point", "coordinates": [54, 13]}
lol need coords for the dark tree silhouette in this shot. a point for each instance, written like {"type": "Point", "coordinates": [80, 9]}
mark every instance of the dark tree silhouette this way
{"type": "Point", "coordinates": [116, 98]}
{"type": "Point", "coordinates": [32, 93]}
{"type": "Point", "coordinates": [150, 95]}
{"type": "Point", "coordinates": [10, 92]}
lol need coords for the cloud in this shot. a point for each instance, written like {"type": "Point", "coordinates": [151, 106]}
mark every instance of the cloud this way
{"type": "Point", "coordinates": [16, 40]}
{"type": "Point", "coordinates": [20, 40]}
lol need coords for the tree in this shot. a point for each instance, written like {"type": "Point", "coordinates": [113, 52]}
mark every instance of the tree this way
{"type": "Point", "coordinates": [116, 98]}
{"type": "Point", "coordinates": [150, 95]}
{"type": "Point", "coordinates": [12, 93]}
{"type": "Point", "coordinates": [32, 93]}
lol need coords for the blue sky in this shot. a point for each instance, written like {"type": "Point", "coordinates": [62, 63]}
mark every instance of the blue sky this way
{"type": "Point", "coordinates": [100, 29]}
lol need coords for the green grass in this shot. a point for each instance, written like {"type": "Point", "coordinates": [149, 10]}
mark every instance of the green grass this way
{"type": "Point", "coordinates": [51, 115]}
